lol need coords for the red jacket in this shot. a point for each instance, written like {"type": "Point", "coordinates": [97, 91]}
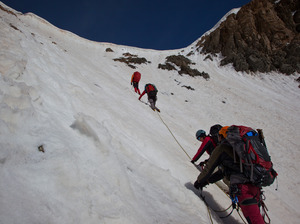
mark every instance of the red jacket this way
{"type": "Point", "coordinates": [143, 93]}
{"type": "Point", "coordinates": [136, 77]}
{"type": "Point", "coordinates": [207, 145]}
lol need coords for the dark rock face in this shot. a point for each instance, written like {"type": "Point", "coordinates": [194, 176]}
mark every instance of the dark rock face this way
{"type": "Point", "coordinates": [263, 36]}
{"type": "Point", "coordinates": [184, 64]}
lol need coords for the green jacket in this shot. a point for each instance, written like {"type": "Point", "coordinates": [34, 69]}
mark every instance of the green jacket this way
{"type": "Point", "coordinates": [222, 156]}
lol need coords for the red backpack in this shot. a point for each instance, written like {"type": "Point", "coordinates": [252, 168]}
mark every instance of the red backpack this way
{"type": "Point", "coordinates": [255, 161]}
{"type": "Point", "coordinates": [150, 89]}
{"type": "Point", "coordinates": [136, 76]}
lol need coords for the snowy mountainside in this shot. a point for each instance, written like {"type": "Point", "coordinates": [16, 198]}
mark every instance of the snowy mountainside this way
{"type": "Point", "coordinates": [108, 157]}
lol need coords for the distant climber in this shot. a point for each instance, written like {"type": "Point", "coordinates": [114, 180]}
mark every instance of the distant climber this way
{"type": "Point", "coordinates": [135, 78]}
{"type": "Point", "coordinates": [151, 91]}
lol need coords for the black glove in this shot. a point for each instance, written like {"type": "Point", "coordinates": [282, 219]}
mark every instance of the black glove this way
{"type": "Point", "coordinates": [198, 185]}
{"type": "Point", "coordinates": [203, 162]}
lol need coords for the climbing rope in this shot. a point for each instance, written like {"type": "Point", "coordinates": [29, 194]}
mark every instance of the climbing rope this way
{"type": "Point", "coordinates": [241, 217]}
{"type": "Point", "coordinates": [208, 207]}
{"type": "Point", "coordinates": [174, 136]}
{"type": "Point", "coordinates": [221, 211]}
{"type": "Point", "coordinates": [209, 213]}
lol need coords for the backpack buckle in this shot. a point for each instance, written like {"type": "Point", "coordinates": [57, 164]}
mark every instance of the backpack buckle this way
{"type": "Point", "coordinates": [251, 133]}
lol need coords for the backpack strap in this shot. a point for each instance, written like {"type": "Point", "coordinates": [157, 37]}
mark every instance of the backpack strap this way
{"type": "Point", "coordinates": [212, 141]}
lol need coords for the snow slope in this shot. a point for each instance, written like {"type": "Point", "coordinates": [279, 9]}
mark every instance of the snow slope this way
{"type": "Point", "coordinates": [108, 158]}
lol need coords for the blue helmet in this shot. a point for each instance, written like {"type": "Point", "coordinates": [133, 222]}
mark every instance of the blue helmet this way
{"type": "Point", "coordinates": [199, 134]}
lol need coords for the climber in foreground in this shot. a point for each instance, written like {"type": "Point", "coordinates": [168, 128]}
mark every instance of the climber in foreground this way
{"type": "Point", "coordinates": [135, 78]}
{"type": "Point", "coordinates": [151, 91]}
{"type": "Point", "coordinates": [243, 189]}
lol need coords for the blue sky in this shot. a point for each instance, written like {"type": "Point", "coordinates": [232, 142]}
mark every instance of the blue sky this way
{"type": "Point", "coordinates": [151, 24]}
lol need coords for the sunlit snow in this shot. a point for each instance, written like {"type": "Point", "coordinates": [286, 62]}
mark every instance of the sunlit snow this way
{"type": "Point", "coordinates": [108, 158]}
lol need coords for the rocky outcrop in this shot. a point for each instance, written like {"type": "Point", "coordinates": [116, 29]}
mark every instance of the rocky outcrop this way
{"type": "Point", "coordinates": [262, 37]}
{"type": "Point", "coordinates": [131, 59]}
{"type": "Point", "coordinates": [183, 64]}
